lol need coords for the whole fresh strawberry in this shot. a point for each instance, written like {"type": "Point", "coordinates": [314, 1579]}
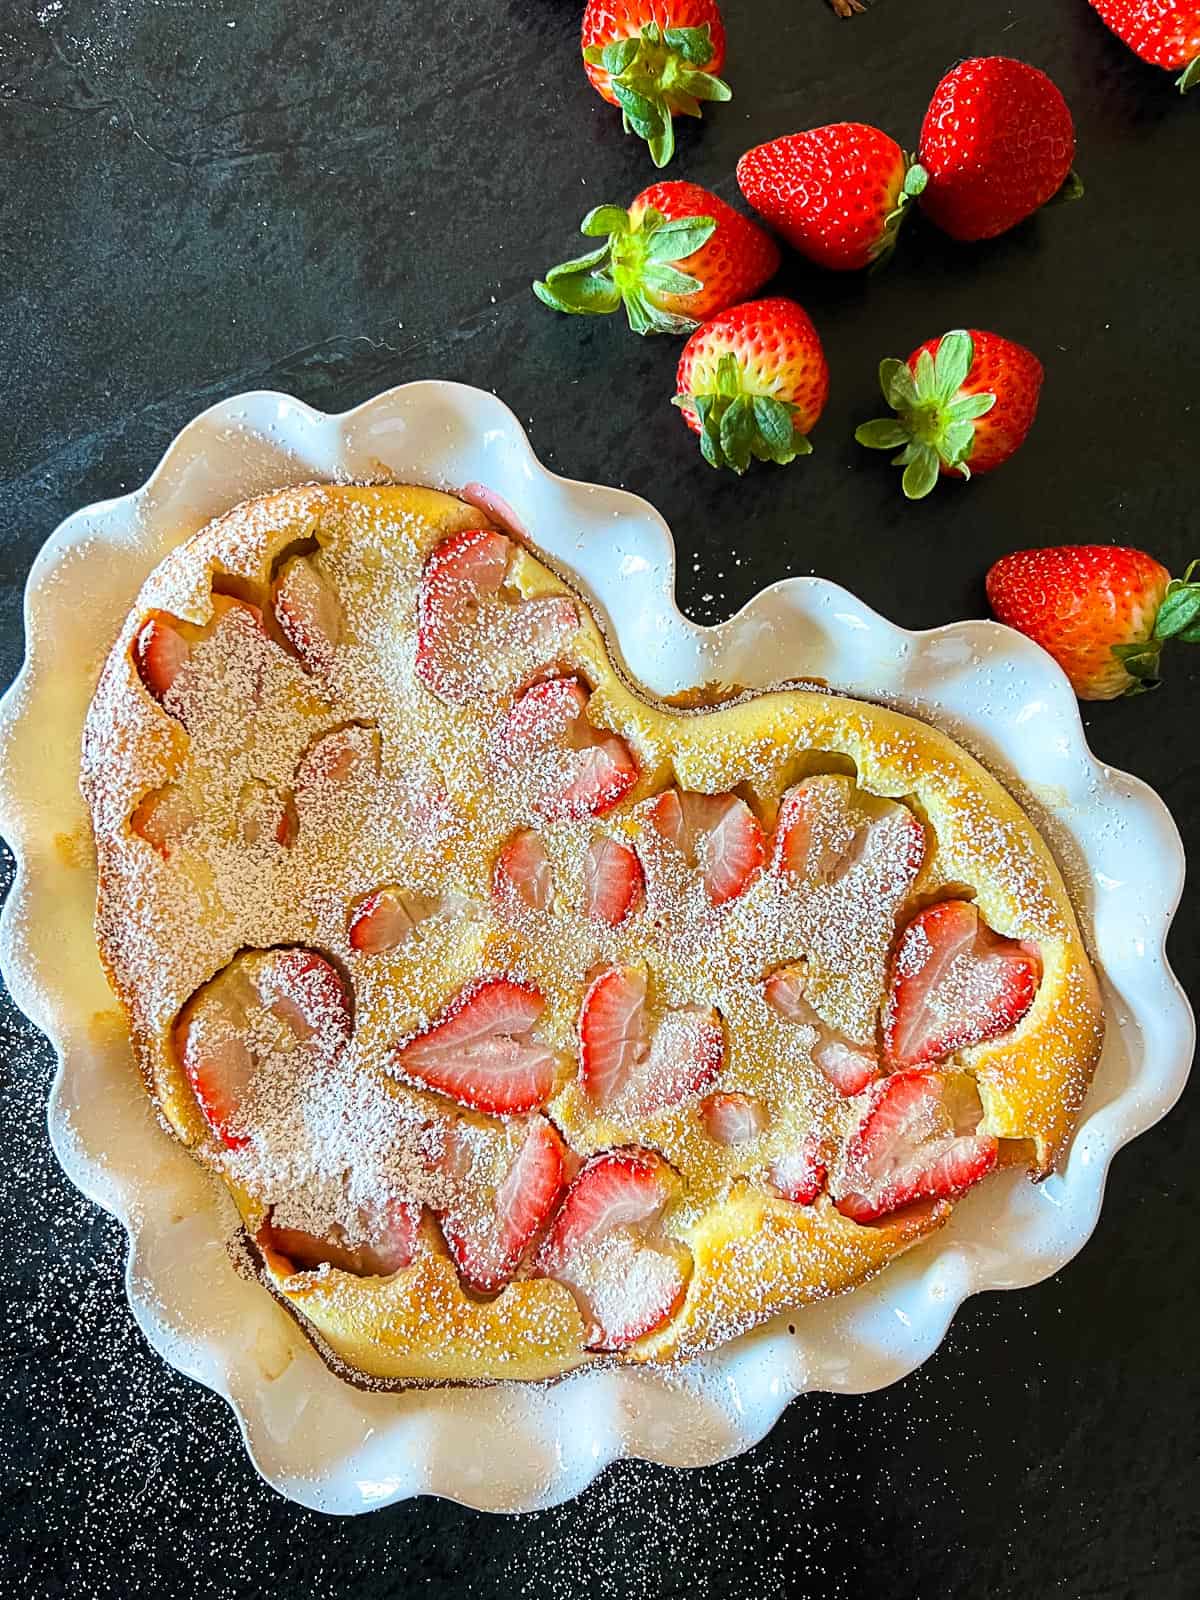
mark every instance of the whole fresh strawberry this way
{"type": "Point", "coordinates": [963, 403]}
{"type": "Point", "coordinates": [657, 60]}
{"type": "Point", "coordinates": [997, 143]}
{"type": "Point", "coordinates": [1103, 612]}
{"type": "Point", "coordinates": [837, 194]}
{"type": "Point", "coordinates": [1164, 32]}
{"type": "Point", "coordinates": [752, 383]}
{"type": "Point", "coordinates": [676, 257]}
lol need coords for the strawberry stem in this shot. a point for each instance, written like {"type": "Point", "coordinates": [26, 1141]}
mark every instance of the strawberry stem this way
{"type": "Point", "coordinates": [738, 424]}
{"type": "Point", "coordinates": [1190, 76]}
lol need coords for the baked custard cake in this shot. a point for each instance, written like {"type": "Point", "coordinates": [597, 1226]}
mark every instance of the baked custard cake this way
{"type": "Point", "coordinates": [529, 1020]}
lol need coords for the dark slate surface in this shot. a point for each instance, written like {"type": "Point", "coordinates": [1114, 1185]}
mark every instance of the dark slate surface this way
{"type": "Point", "coordinates": [200, 198]}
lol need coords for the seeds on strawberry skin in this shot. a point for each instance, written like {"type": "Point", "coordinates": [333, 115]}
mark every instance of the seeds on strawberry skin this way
{"type": "Point", "coordinates": [997, 143]}
{"type": "Point", "coordinates": [837, 194]}
{"type": "Point", "coordinates": [656, 59]}
{"type": "Point", "coordinates": [752, 383]}
{"type": "Point", "coordinates": [964, 404]}
{"type": "Point", "coordinates": [1102, 611]}
{"type": "Point", "coordinates": [678, 255]}
{"type": "Point", "coordinates": [1165, 33]}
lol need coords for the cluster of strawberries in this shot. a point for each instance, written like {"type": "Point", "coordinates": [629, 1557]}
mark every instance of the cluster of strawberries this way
{"type": "Point", "coordinates": [996, 144]}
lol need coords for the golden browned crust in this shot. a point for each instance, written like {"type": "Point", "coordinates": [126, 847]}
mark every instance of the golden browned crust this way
{"type": "Point", "coordinates": [753, 1255]}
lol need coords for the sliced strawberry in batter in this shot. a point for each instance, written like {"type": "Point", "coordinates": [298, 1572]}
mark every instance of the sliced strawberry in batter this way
{"type": "Point", "coordinates": [716, 832]}
{"type": "Point", "coordinates": [919, 1139]}
{"type": "Point", "coordinates": [347, 755]}
{"type": "Point", "coordinates": [571, 768]}
{"type": "Point", "coordinates": [245, 1026]}
{"type": "Point", "coordinates": [166, 651]}
{"type": "Point", "coordinates": [308, 611]}
{"type": "Point", "coordinates": [848, 1067]}
{"type": "Point", "coordinates": [476, 638]}
{"type": "Point", "coordinates": [800, 1174]}
{"type": "Point", "coordinates": [388, 1243]}
{"type": "Point", "coordinates": [824, 829]}
{"type": "Point", "coordinates": [163, 817]}
{"type": "Point", "coordinates": [523, 876]}
{"type": "Point", "coordinates": [488, 1236]}
{"type": "Point", "coordinates": [481, 1050]}
{"type": "Point", "coordinates": [606, 1246]}
{"type": "Point", "coordinates": [160, 651]}
{"type": "Point", "coordinates": [613, 884]}
{"type": "Point", "coordinates": [733, 1119]}
{"type": "Point", "coordinates": [954, 983]}
{"type": "Point", "coordinates": [389, 917]}
{"type": "Point", "coordinates": [627, 1066]}
{"type": "Point", "coordinates": [266, 815]}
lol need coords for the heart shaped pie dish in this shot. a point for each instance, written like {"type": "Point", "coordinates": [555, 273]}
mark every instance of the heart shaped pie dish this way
{"type": "Point", "coordinates": [529, 1020]}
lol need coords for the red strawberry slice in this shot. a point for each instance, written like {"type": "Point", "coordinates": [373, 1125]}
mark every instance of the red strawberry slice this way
{"type": "Point", "coordinates": [266, 815]}
{"type": "Point", "coordinates": [800, 1174]}
{"type": "Point", "coordinates": [785, 991]}
{"type": "Point", "coordinates": [823, 831]}
{"type": "Point", "coordinates": [627, 1277]}
{"type": "Point", "coordinates": [165, 652]}
{"type": "Point", "coordinates": [523, 876]}
{"type": "Point", "coordinates": [717, 833]}
{"type": "Point", "coordinates": [481, 1051]}
{"type": "Point", "coordinates": [572, 769]}
{"type": "Point", "coordinates": [160, 651]}
{"type": "Point", "coordinates": [626, 1066]}
{"type": "Point", "coordinates": [848, 1067]}
{"type": "Point", "coordinates": [918, 1139]}
{"type": "Point", "coordinates": [163, 817]}
{"type": "Point", "coordinates": [475, 639]}
{"type": "Point", "coordinates": [489, 1240]}
{"type": "Point", "coordinates": [389, 1243]}
{"type": "Point", "coordinates": [335, 760]}
{"type": "Point", "coordinates": [228, 1035]}
{"type": "Point", "coordinates": [954, 983]}
{"type": "Point", "coordinates": [613, 884]}
{"type": "Point", "coordinates": [389, 917]}
{"type": "Point", "coordinates": [308, 611]}
{"type": "Point", "coordinates": [733, 1119]}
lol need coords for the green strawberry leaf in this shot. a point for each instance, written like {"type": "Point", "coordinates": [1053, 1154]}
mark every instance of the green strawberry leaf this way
{"type": "Point", "coordinates": [1072, 189]}
{"type": "Point", "coordinates": [915, 180]}
{"type": "Point", "coordinates": [702, 86]}
{"type": "Point", "coordinates": [644, 114]}
{"type": "Point", "coordinates": [675, 241]}
{"type": "Point", "coordinates": [886, 433]}
{"type": "Point", "coordinates": [602, 221]}
{"type": "Point", "coordinates": [685, 105]}
{"type": "Point", "coordinates": [1140, 660]}
{"type": "Point", "coordinates": [970, 406]}
{"type": "Point", "coordinates": [583, 295]}
{"type": "Point", "coordinates": [567, 269]}
{"type": "Point", "coordinates": [956, 442]}
{"type": "Point", "coordinates": [1189, 77]}
{"type": "Point", "coordinates": [661, 143]}
{"type": "Point", "coordinates": [955, 353]}
{"type": "Point", "coordinates": [897, 384]}
{"type": "Point", "coordinates": [616, 57]}
{"type": "Point", "coordinates": [737, 433]}
{"type": "Point", "coordinates": [1178, 612]}
{"type": "Point", "coordinates": [665, 279]}
{"type": "Point", "coordinates": [776, 428]}
{"type": "Point", "coordinates": [693, 44]}
{"type": "Point", "coordinates": [920, 474]}
{"type": "Point", "coordinates": [926, 377]}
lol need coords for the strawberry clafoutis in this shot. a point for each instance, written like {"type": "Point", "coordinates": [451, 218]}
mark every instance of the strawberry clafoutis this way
{"type": "Point", "coordinates": [532, 1021]}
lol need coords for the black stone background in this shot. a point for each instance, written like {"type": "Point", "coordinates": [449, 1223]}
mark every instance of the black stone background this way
{"type": "Point", "coordinates": [198, 198]}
